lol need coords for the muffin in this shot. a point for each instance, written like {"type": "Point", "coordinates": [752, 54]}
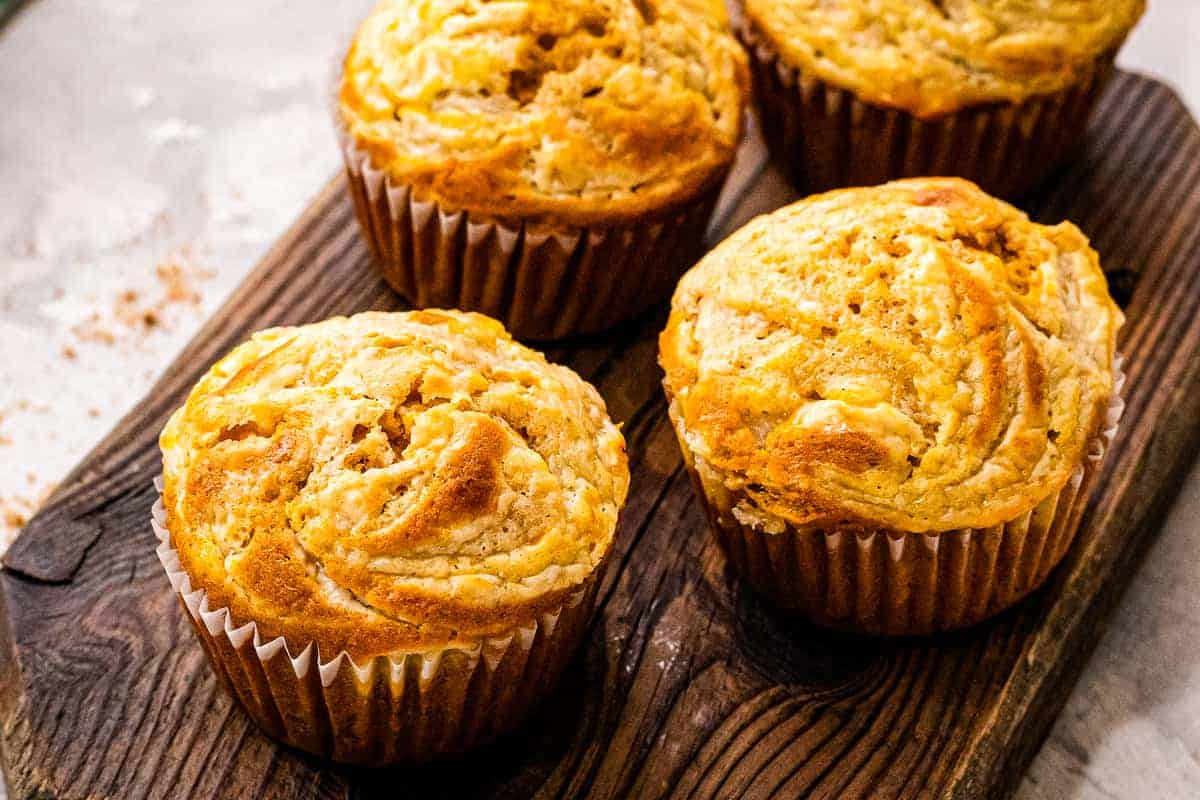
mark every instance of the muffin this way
{"type": "Point", "coordinates": [552, 164]}
{"type": "Point", "coordinates": [892, 401]}
{"type": "Point", "coordinates": [997, 91]}
{"type": "Point", "coordinates": [388, 529]}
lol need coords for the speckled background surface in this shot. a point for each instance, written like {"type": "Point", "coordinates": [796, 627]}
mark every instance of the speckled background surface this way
{"type": "Point", "coordinates": [151, 151]}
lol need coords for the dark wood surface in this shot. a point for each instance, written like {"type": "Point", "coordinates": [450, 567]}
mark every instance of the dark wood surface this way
{"type": "Point", "coordinates": [687, 687]}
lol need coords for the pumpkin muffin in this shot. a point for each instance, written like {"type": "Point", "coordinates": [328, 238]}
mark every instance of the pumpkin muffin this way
{"type": "Point", "coordinates": [388, 529]}
{"type": "Point", "coordinates": [892, 400]}
{"type": "Point", "coordinates": [998, 91]}
{"type": "Point", "coordinates": [553, 164]}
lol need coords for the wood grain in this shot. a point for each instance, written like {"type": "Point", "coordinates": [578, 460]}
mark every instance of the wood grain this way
{"type": "Point", "coordinates": [687, 687]}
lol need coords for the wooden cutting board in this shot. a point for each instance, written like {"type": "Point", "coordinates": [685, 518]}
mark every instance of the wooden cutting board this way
{"type": "Point", "coordinates": [687, 687]}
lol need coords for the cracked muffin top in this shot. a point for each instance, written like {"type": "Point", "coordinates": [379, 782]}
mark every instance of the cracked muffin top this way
{"type": "Point", "coordinates": [916, 357]}
{"type": "Point", "coordinates": [930, 57]}
{"type": "Point", "coordinates": [390, 481]}
{"type": "Point", "coordinates": [573, 111]}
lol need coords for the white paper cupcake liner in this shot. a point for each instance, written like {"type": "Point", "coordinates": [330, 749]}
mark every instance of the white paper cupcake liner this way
{"type": "Point", "coordinates": [543, 282]}
{"type": "Point", "coordinates": [403, 707]}
{"type": "Point", "coordinates": [828, 138]}
{"type": "Point", "coordinates": [890, 583]}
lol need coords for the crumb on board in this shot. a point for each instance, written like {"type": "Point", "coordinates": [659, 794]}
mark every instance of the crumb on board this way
{"type": "Point", "coordinates": [12, 517]}
{"type": "Point", "coordinates": [178, 274]}
{"type": "Point", "coordinates": [129, 311]}
{"type": "Point", "coordinates": [15, 512]}
{"type": "Point", "coordinates": [139, 312]}
{"type": "Point", "coordinates": [93, 329]}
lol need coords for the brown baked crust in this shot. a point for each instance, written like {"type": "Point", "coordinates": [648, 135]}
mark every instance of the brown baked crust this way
{"type": "Point", "coordinates": [572, 112]}
{"type": "Point", "coordinates": [390, 482]}
{"type": "Point", "coordinates": [917, 357]}
{"type": "Point", "coordinates": [933, 58]}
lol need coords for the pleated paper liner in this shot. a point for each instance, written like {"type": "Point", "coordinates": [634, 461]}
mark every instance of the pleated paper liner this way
{"type": "Point", "coordinates": [827, 138]}
{"type": "Point", "coordinates": [541, 282]}
{"type": "Point", "coordinates": [404, 707]}
{"type": "Point", "coordinates": [896, 584]}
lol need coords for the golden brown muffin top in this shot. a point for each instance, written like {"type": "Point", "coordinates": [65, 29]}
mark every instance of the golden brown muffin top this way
{"type": "Point", "coordinates": [917, 356]}
{"type": "Point", "coordinates": [574, 111]}
{"type": "Point", "coordinates": [929, 57]}
{"type": "Point", "coordinates": [387, 482]}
